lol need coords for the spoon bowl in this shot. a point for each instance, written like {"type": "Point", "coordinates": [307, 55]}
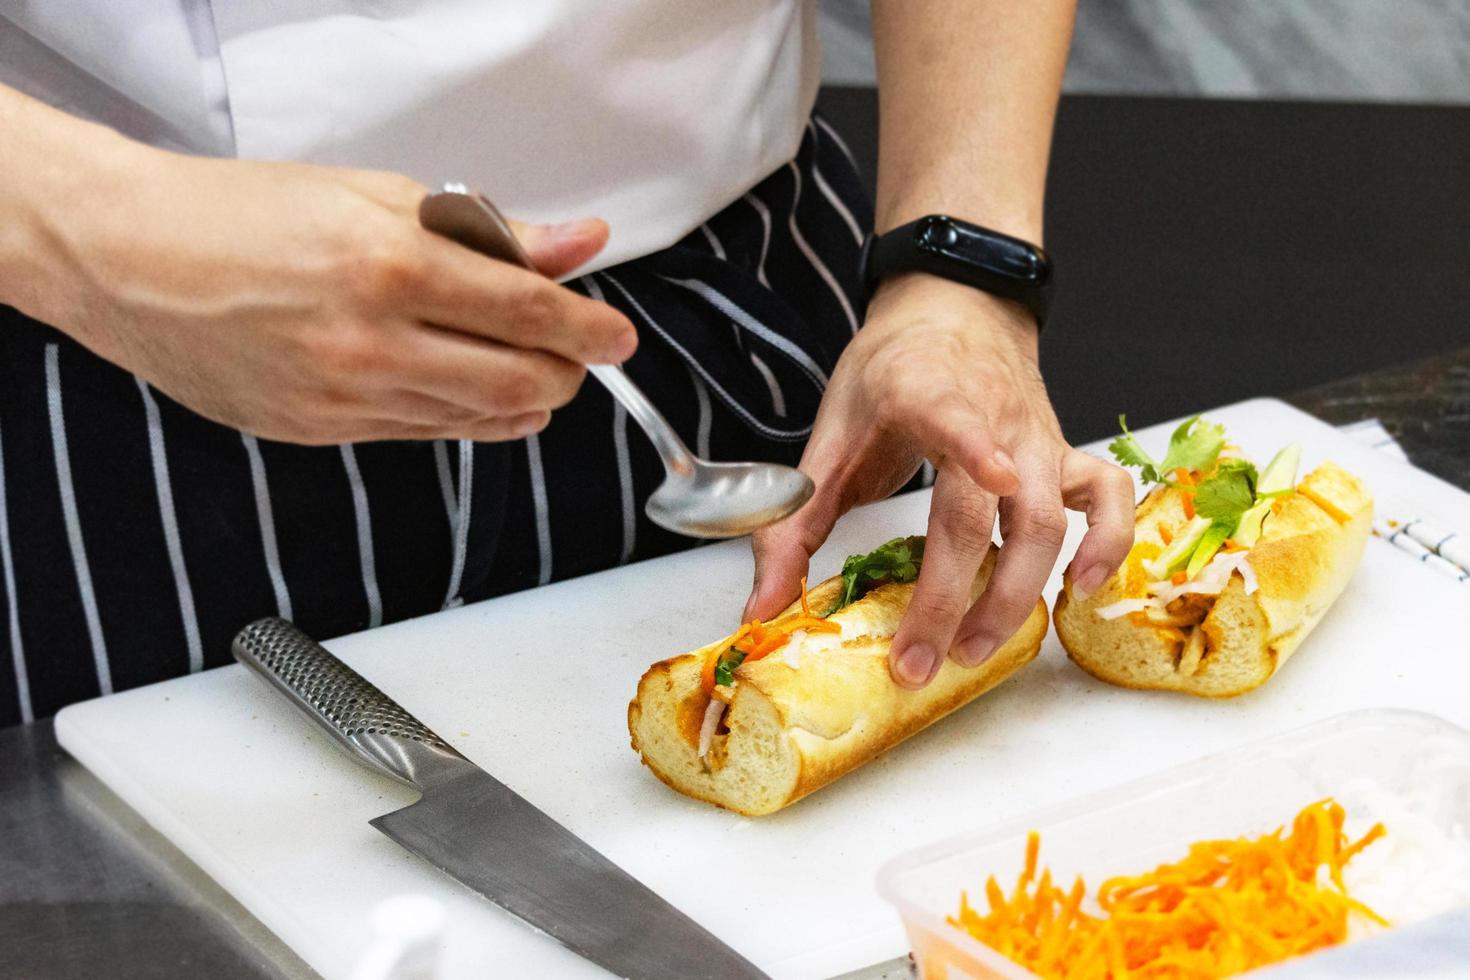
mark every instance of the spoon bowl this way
{"type": "Point", "coordinates": [726, 500]}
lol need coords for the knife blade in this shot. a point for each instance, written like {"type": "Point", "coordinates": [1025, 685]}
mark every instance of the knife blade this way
{"type": "Point", "coordinates": [480, 832]}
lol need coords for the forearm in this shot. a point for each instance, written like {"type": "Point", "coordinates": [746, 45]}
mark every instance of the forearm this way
{"type": "Point", "coordinates": [967, 97]}
{"type": "Point", "coordinates": [52, 165]}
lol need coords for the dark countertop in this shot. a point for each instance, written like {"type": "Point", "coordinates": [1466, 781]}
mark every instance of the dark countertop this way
{"type": "Point", "coordinates": [87, 889]}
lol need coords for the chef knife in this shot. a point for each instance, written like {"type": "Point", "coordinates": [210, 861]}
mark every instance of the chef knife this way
{"type": "Point", "coordinates": [477, 830]}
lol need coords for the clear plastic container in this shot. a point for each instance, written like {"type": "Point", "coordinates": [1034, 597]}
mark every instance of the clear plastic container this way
{"type": "Point", "coordinates": [1418, 761]}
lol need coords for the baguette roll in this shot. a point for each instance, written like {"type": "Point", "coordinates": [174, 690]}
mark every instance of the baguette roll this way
{"type": "Point", "coordinates": [817, 708]}
{"type": "Point", "coordinates": [1225, 645]}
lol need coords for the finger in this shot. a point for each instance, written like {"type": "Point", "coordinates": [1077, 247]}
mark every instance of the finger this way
{"type": "Point", "coordinates": [954, 430]}
{"type": "Point", "coordinates": [1034, 528]}
{"type": "Point", "coordinates": [485, 378]}
{"type": "Point", "coordinates": [463, 290]}
{"type": "Point", "coordinates": [1105, 492]}
{"type": "Point", "coordinates": [556, 250]}
{"type": "Point", "coordinates": [783, 551]}
{"type": "Point", "coordinates": [961, 516]}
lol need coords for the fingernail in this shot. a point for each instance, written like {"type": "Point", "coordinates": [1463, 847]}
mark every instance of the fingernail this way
{"type": "Point", "coordinates": [1089, 581]}
{"type": "Point", "coordinates": [976, 650]}
{"type": "Point", "coordinates": [916, 664]}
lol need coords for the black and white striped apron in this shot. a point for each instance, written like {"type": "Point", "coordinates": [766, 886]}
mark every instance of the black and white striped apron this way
{"type": "Point", "coordinates": [136, 537]}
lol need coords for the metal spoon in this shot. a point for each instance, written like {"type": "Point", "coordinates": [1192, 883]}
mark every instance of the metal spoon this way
{"type": "Point", "coordinates": [697, 498]}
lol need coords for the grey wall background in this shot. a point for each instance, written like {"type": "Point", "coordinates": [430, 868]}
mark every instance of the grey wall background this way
{"type": "Point", "coordinates": [1359, 50]}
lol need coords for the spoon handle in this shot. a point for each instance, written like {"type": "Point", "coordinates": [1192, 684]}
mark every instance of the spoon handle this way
{"type": "Point", "coordinates": [678, 460]}
{"type": "Point", "coordinates": [472, 221]}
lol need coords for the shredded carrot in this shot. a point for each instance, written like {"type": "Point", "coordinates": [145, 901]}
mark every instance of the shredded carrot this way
{"type": "Point", "coordinates": [758, 640]}
{"type": "Point", "coordinates": [1165, 535]}
{"type": "Point", "coordinates": [1179, 578]}
{"type": "Point", "coordinates": [1189, 505]}
{"type": "Point", "coordinates": [1184, 476]}
{"type": "Point", "coordinates": [1226, 907]}
{"type": "Point", "coordinates": [1232, 545]}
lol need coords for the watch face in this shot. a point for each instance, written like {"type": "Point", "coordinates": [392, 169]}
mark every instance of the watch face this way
{"type": "Point", "coordinates": [980, 248]}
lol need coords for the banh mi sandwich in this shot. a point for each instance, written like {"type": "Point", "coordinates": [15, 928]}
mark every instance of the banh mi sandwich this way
{"type": "Point", "coordinates": [1230, 568]}
{"type": "Point", "coordinates": [757, 720]}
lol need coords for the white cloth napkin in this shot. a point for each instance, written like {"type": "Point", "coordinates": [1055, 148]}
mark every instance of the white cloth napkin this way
{"type": "Point", "coordinates": [1440, 548]}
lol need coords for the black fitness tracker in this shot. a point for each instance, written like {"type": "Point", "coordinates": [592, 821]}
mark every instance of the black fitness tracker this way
{"type": "Point", "coordinates": [964, 253]}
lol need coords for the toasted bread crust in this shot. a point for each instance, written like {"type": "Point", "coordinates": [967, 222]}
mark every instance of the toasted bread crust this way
{"type": "Point", "coordinates": [795, 729]}
{"type": "Point", "coordinates": [1308, 550]}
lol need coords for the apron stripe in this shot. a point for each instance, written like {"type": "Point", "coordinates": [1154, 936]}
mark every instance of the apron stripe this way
{"type": "Point", "coordinates": [626, 495]}
{"type": "Point", "coordinates": [841, 144]}
{"type": "Point", "coordinates": [778, 398]}
{"type": "Point", "coordinates": [765, 216]}
{"type": "Point", "coordinates": [446, 486]}
{"type": "Point", "coordinates": [538, 498]}
{"type": "Point", "coordinates": [701, 437]}
{"type": "Point", "coordinates": [714, 243]}
{"type": "Point", "coordinates": [167, 514]}
{"type": "Point", "coordinates": [12, 604]}
{"type": "Point", "coordinates": [363, 517]}
{"type": "Point", "coordinates": [725, 396]}
{"type": "Point", "coordinates": [722, 303]}
{"type": "Point", "coordinates": [73, 522]}
{"type": "Point", "coordinates": [842, 209]}
{"type": "Point", "coordinates": [459, 518]}
{"type": "Point", "coordinates": [813, 258]}
{"type": "Point", "coordinates": [266, 517]}
{"type": "Point", "coordinates": [625, 482]}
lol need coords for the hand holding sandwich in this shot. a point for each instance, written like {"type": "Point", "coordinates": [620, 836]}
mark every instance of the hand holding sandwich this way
{"type": "Point", "coordinates": [949, 373]}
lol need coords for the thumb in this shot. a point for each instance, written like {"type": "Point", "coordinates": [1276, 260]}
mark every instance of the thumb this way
{"type": "Point", "coordinates": [556, 250]}
{"type": "Point", "coordinates": [783, 553]}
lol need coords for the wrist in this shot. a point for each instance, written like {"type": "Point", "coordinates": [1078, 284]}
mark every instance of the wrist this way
{"type": "Point", "coordinates": [59, 173]}
{"type": "Point", "coordinates": [920, 295]}
{"type": "Point", "coordinates": [1018, 219]}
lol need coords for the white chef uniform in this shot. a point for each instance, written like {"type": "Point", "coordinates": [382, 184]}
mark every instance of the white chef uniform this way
{"type": "Point", "coordinates": [651, 114]}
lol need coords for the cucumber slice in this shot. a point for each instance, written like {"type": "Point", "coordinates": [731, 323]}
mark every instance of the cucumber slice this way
{"type": "Point", "coordinates": [1279, 475]}
{"type": "Point", "coordinates": [1176, 555]}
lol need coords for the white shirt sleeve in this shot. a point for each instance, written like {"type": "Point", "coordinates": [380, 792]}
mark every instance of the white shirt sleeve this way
{"type": "Point", "coordinates": [149, 68]}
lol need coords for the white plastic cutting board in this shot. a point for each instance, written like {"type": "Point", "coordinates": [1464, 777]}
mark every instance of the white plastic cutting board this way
{"type": "Point", "coordinates": [534, 688]}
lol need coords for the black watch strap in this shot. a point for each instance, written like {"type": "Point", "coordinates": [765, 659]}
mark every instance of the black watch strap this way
{"type": "Point", "coordinates": [959, 251]}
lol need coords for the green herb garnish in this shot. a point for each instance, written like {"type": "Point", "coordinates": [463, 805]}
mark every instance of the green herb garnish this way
{"type": "Point", "coordinates": [1195, 445]}
{"type": "Point", "coordinates": [895, 561]}
{"type": "Point", "coordinates": [725, 667]}
{"type": "Point", "coordinates": [1228, 493]}
{"type": "Point", "coordinates": [1234, 499]}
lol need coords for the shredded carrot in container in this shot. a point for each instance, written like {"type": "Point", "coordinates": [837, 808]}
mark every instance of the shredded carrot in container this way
{"type": "Point", "coordinates": [1179, 578]}
{"type": "Point", "coordinates": [1227, 907]}
{"type": "Point", "coordinates": [1165, 535]}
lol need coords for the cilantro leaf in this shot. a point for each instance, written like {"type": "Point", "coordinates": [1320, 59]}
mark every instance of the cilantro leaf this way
{"type": "Point", "coordinates": [1128, 451]}
{"type": "Point", "coordinates": [1228, 494]}
{"type": "Point", "coordinates": [725, 667]}
{"type": "Point", "coordinates": [894, 561]}
{"type": "Point", "coordinates": [1195, 445]}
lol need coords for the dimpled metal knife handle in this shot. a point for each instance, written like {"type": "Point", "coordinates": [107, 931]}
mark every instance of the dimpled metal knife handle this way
{"type": "Point", "coordinates": [360, 718]}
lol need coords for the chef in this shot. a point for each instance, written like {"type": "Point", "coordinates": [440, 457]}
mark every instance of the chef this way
{"type": "Point", "coordinates": [238, 379]}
